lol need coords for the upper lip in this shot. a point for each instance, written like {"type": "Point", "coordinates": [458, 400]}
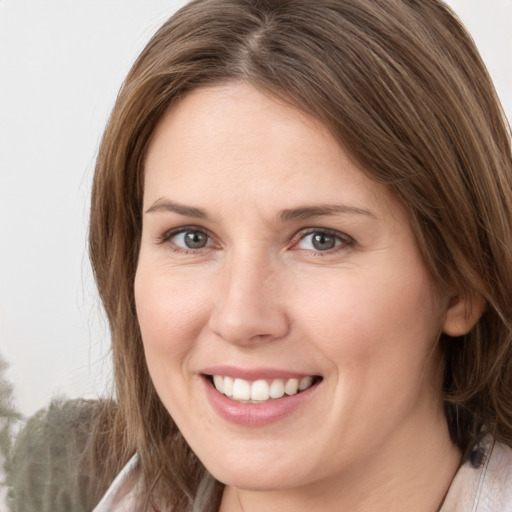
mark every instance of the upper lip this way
{"type": "Point", "coordinates": [252, 374]}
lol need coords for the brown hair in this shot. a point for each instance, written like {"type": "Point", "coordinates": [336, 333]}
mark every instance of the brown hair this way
{"type": "Point", "coordinates": [403, 89]}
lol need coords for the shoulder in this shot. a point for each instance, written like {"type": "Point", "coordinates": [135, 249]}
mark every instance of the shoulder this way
{"type": "Point", "coordinates": [122, 494]}
{"type": "Point", "coordinates": [497, 482]}
{"type": "Point", "coordinates": [487, 488]}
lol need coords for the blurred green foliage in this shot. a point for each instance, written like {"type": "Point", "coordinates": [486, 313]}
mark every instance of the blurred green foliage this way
{"type": "Point", "coordinates": [45, 470]}
{"type": "Point", "coordinates": [8, 413]}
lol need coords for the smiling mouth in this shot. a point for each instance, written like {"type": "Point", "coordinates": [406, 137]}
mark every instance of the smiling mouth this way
{"type": "Point", "coordinates": [260, 391]}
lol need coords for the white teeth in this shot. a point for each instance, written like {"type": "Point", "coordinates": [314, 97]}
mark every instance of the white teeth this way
{"type": "Point", "coordinates": [241, 390]}
{"type": "Point", "coordinates": [277, 389]}
{"type": "Point", "coordinates": [291, 387]}
{"type": "Point", "coordinates": [305, 383]}
{"type": "Point", "coordinates": [228, 386]}
{"type": "Point", "coordinates": [218, 381]}
{"type": "Point", "coordinates": [260, 390]}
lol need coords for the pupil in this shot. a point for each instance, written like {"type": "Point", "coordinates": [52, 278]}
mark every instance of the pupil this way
{"type": "Point", "coordinates": [323, 242]}
{"type": "Point", "coordinates": [195, 239]}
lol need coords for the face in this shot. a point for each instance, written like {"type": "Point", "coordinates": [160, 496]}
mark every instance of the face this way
{"type": "Point", "coordinates": [288, 321]}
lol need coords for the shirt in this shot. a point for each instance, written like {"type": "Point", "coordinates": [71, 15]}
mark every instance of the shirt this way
{"type": "Point", "coordinates": [487, 488]}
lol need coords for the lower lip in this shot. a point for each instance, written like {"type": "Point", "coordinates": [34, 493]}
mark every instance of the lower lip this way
{"type": "Point", "coordinates": [256, 415]}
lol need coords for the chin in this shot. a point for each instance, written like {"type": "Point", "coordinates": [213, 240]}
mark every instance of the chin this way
{"type": "Point", "coordinates": [259, 475]}
{"type": "Point", "coordinates": [254, 480]}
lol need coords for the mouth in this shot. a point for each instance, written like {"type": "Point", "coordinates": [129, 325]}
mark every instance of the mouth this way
{"type": "Point", "coordinates": [261, 391]}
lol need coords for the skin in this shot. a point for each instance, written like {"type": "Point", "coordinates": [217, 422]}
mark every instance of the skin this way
{"type": "Point", "coordinates": [364, 315]}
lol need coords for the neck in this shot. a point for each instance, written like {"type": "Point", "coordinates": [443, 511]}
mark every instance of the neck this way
{"type": "Point", "coordinates": [412, 471]}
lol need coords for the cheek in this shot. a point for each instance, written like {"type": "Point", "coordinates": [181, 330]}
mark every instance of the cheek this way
{"type": "Point", "coordinates": [379, 336]}
{"type": "Point", "coordinates": [371, 322]}
{"type": "Point", "coordinates": [171, 315]}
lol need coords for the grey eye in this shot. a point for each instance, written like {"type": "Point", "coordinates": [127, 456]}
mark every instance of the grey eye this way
{"type": "Point", "coordinates": [323, 241]}
{"type": "Point", "coordinates": [319, 241]}
{"type": "Point", "coordinates": [191, 239]}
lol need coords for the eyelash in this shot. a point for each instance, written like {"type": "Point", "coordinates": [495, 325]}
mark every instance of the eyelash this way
{"type": "Point", "coordinates": [343, 241]}
{"type": "Point", "coordinates": [169, 235]}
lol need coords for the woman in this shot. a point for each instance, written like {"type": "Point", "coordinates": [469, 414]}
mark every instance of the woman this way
{"type": "Point", "coordinates": [301, 233]}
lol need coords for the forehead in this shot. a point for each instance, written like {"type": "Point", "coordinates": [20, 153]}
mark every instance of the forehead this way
{"type": "Point", "coordinates": [234, 143]}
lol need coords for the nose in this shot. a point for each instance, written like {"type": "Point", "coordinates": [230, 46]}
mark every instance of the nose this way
{"type": "Point", "coordinates": [249, 306]}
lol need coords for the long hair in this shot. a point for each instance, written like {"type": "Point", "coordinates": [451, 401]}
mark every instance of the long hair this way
{"type": "Point", "coordinates": [402, 88]}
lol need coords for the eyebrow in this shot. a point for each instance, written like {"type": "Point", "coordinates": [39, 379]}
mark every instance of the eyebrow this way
{"type": "Point", "coordinates": [299, 213]}
{"type": "Point", "coordinates": [164, 205]}
{"type": "Point", "coordinates": [308, 212]}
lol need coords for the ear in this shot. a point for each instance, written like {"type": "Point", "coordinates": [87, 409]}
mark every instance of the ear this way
{"type": "Point", "coordinates": [462, 314]}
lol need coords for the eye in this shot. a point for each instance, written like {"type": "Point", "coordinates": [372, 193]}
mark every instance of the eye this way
{"type": "Point", "coordinates": [189, 239]}
{"type": "Point", "coordinates": [322, 240]}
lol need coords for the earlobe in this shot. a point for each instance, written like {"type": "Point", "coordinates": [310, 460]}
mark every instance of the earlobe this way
{"type": "Point", "coordinates": [463, 313]}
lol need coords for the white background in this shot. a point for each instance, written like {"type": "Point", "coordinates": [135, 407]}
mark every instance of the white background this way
{"type": "Point", "coordinates": [61, 64]}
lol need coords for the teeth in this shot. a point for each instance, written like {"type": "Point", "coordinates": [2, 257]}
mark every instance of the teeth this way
{"type": "Point", "coordinates": [260, 390]}
{"type": "Point", "coordinates": [277, 389]}
{"type": "Point", "coordinates": [218, 381]}
{"type": "Point", "coordinates": [228, 386]}
{"type": "Point", "coordinates": [305, 383]}
{"type": "Point", "coordinates": [241, 390]}
{"type": "Point", "coordinates": [291, 387]}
